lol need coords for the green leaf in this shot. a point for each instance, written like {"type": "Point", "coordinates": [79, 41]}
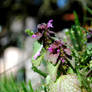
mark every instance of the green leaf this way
{"type": "Point", "coordinates": [30, 86]}
{"type": "Point", "coordinates": [37, 47]}
{"type": "Point", "coordinates": [70, 70]}
{"type": "Point", "coordinates": [29, 32]}
{"type": "Point", "coordinates": [66, 83]}
{"type": "Point", "coordinates": [76, 18]}
{"type": "Point", "coordinates": [89, 10]}
{"type": "Point", "coordinates": [72, 37]}
{"type": "Point", "coordinates": [52, 70]}
{"type": "Point", "coordinates": [38, 61]}
{"type": "Point", "coordinates": [9, 85]}
{"type": "Point", "coordinates": [24, 87]}
{"type": "Point", "coordinates": [90, 65]}
{"type": "Point", "coordinates": [48, 79]}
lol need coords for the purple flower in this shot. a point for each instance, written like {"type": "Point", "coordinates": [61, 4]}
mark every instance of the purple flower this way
{"type": "Point", "coordinates": [34, 36]}
{"type": "Point", "coordinates": [38, 53]}
{"type": "Point", "coordinates": [37, 35]}
{"type": "Point", "coordinates": [58, 50]}
{"type": "Point", "coordinates": [63, 60]}
{"type": "Point", "coordinates": [56, 44]}
{"type": "Point", "coordinates": [88, 36]}
{"type": "Point", "coordinates": [55, 47]}
{"type": "Point", "coordinates": [50, 49]}
{"type": "Point", "coordinates": [43, 33]}
{"type": "Point", "coordinates": [49, 24]}
{"type": "Point", "coordinates": [41, 27]}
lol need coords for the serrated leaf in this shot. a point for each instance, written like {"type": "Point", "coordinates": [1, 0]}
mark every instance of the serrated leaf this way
{"type": "Point", "coordinates": [48, 79]}
{"type": "Point", "coordinates": [37, 47]}
{"type": "Point", "coordinates": [52, 70]}
{"type": "Point", "coordinates": [66, 83]}
{"type": "Point", "coordinates": [38, 61]}
{"type": "Point", "coordinates": [70, 71]}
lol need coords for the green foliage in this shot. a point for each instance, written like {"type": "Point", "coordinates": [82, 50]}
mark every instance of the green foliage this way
{"type": "Point", "coordinates": [39, 71]}
{"type": "Point", "coordinates": [8, 85]}
{"type": "Point", "coordinates": [38, 61]}
{"type": "Point", "coordinates": [76, 19]}
{"type": "Point", "coordinates": [37, 48]}
{"type": "Point", "coordinates": [29, 32]}
{"type": "Point", "coordinates": [73, 74]}
{"type": "Point", "coordinates": [77, 37]}
{"type": "Point", "coordinates": [52, 70]}
{"type": "Point", "coordinates": [89, 10]}
{"type": "Point", "coordinates": [11, 85]}
{"type": "Point", "coordinates": [66, 83]}
{"type": "Point", "coordinates": [76, 73]}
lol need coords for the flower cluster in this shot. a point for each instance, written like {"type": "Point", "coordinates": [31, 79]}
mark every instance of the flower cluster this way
{"type": "Point", "coordinates": [44, 33]}
{"type": "Point", "coordinates": [58, 51]}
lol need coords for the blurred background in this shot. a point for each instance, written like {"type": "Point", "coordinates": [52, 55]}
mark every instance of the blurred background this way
{"type": "Point", "coordinates": [18, 15]}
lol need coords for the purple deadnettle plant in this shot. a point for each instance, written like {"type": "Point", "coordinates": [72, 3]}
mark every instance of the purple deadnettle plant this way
{"type": "Point", "coordinates": [57, 49]}
{"type": "Point", "coordinates": [63, 64]}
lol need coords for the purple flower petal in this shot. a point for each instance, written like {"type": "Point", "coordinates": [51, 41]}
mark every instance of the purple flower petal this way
{"type": "Point", "coordinates": [88, 36]}
{"type": "Point", "coordinates": [50, 49]}
{"type": "Point", "coordinates": [58, 51]}
{"type": "Point", "coordinates": [34, 36]}
{"type": "Point", "coordinates": [36, 55]}
{"type": "Point", "coordinates": [62, 60]}
{"type": "Point", "coordinates": [49, 24]}
{"type": "Point", "coordinates": [37, 35]}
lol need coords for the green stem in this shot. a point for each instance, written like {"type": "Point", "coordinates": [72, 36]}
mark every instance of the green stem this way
{"type": "Point", "coordinates": [61, 68]}
{"type": "Point", "coordinates": [39, 71]}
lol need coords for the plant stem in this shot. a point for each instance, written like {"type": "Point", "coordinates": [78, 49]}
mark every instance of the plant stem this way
{"type": "Point", "coordinates": [39, 71]}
